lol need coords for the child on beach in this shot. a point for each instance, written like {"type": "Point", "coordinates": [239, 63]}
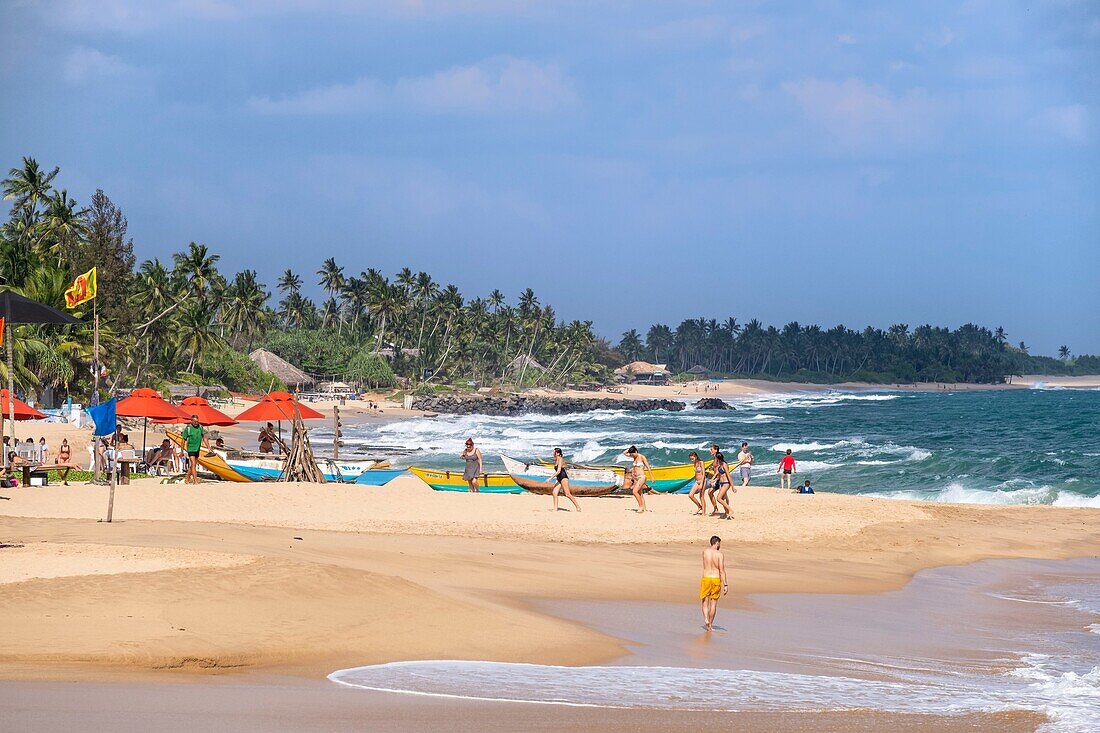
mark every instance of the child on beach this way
{"type": "Point", "coordinates": [805, 488]}
{"type": "Point", "coordinates": [786, 470]}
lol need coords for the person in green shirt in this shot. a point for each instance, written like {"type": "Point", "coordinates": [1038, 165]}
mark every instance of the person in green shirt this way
{"type": "Point", "coordinates": [193, 440]}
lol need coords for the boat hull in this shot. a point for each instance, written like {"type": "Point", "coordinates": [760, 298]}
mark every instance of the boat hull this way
{"type": "Point", "coordinates": [379, 476]}
{"type": "Point", "coordinates": [212, 462]}
{"type": "Point", "coordinates": [539, 479]}
{"type": "Point", "coordinates": [666, 479]}
{"type": "Point", "coordinates": [488, 483]}
{"type": "Point", "coordinates": [270, 469]}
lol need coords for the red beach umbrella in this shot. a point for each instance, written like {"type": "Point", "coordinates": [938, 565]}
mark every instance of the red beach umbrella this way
{"type": "Point", "coordinates": [200, 408]}
{"type": "Point", "coordinates": [278, 406]}
{"type": "Point", "coordinates": [22, 411]}
{"type": "Point", "coordinates": [147, 403]}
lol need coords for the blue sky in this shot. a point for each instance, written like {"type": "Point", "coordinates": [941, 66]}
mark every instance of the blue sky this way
{"type": "Point", "coordinates": [633, 162]}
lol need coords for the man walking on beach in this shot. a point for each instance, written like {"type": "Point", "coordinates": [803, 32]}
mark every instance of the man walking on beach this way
{"type": "Point", "coordinates": [192, 436]}
{"type": "Point", "coordinates": [714, 585]}
{"type": "Point", "coordinates": [744, 462]}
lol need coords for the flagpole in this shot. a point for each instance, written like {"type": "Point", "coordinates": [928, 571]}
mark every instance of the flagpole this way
{"type": "Point", "coordinates": [95, 342]}
{"type": "Point", "coordinates": [11, 384]}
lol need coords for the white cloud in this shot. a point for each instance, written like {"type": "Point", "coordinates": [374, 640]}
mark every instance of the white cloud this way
{"type": "Point", "coordinates": [502, 84]}
{"type": "Point", "coordinates": [846, 38]}
{"type": "Point", "coordinates": [898, 66]}
{"type": "Point", "coordinates": [858, 115]}
{"type": "Point", "coordinates": [87, 64]}
{"type": "Point", "coordinates": [1070, 122]}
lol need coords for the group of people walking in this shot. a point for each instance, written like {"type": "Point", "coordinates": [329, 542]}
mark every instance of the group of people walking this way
{"type": "Point", "coordinates": [711, 488]}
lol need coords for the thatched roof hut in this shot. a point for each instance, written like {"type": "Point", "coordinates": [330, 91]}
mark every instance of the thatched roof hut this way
{"type": "Point", "coordinates": [698, 370]}
{"type": "Point", "coordinates": [518, 364]}
{"type": "Point", "coordinates": [289, 374]}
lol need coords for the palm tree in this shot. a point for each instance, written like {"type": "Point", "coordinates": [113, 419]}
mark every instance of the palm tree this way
{"type": "Point", "coordinates": [1063, 353]}
{"type": "Point", "coordinates": [196, 267]}
{"type": "Point", "coordinates": [496, 300]}
{"type": "Point", "coordinates": [28, 186]}
{"type": "Point", "coordinates": [630, 345]}
{"type": "Point", "coordinates": [289, 283]}
{"type": "Point", "coordinates": [332, 280]}
{"type": "Point", "coordinates": [196, 333]}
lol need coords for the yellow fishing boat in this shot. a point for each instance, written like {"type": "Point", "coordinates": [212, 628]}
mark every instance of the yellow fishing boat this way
{"type": "Point", "coordinates": [443, 480]}
{"type": "Point", "coordinates": [666, 479]}
{"type": "Point", "coordinates": [211, 461]}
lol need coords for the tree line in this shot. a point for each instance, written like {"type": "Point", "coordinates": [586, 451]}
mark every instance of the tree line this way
{"type": "Point", "coordinates": [796, 352]}
{"type": "Point", "coordinates": [184, 320]}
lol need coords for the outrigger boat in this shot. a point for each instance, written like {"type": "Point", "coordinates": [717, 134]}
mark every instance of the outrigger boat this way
{"type": "Point", "coordinates": [666, 479]}
{"type": "Point", "coordinates": [539, 479]}
{"type": "Point", "coordinates": [243, 467]}
{"type": "Point", "coordinates": [444, 480]}
{"type": "Point", "coordinates": [270, 469]}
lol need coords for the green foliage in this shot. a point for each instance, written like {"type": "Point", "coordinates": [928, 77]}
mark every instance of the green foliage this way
{"type": "Point", "coordinates": [237, 372]}
{"type": "Point", "coordinates": [315, 351]}
{"type": "Point", "coordinates": [371, 370]}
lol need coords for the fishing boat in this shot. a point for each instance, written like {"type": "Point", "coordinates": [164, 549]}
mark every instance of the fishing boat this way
{"type": "Point", "coordinates": [539, 479]}
{"type": "Point", "coordinates": [379, 476]}
{"type": "Point", "coordinates": [444, 480]}
{"type": "Point", "coordinates": [268, 468]}
{"type": "Point", "coordinates": [212, 462]}
{"type": "Point", "coordinates": [666, 479]}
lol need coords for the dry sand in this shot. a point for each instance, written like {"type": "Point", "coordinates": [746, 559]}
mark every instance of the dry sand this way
{"type": "Point", "coordinates": [348, 575]}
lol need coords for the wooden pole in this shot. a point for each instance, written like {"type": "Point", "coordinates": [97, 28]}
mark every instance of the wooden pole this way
{"type": "Point", "coordinates": [335, 432]}
{"type": "Point", "coordinates": [11, 385]}
{"type": "Point", "coordinates": [111, 500]}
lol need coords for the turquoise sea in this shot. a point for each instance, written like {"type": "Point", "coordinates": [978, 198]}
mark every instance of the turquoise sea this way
{"type": "Point", "coordinates": [1028, 446]}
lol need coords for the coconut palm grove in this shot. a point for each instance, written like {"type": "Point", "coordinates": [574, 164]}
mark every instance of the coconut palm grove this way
{"type": "Point", "coordinates": [184, 321]}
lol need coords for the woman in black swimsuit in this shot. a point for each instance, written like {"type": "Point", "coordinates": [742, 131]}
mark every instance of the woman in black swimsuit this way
{"type": "Point", "coordinates": [561, 480]}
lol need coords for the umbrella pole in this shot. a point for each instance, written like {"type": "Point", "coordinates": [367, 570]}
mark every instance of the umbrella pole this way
{"type": "Point", "coordinates": [144, 428]}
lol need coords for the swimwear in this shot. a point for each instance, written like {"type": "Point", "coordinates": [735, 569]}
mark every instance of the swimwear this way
{"type": "Point", "coordinates": [787, 464]}
{"type": "Point", "coordinates": [710, 589]}
{"type": "Point", "coordinates": [786, 472]}
{"type": "Point", "coordinates": [746, 472]}
{"type": "Point", "coordinates": [561, 475]}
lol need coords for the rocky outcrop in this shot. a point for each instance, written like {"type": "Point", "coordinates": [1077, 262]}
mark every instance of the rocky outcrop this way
{"type": "Point", "coordinates": [712, 403]}
{"type": "Point", "coordinates": [519, 404]}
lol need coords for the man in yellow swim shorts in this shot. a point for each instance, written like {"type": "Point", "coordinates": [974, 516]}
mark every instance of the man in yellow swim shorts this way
{"type": "Point", "coordinates": [714, 585]}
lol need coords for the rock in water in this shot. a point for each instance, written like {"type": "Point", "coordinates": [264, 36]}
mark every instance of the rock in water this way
{"type": "Point", "coordinates": [712, 403]}
{"type": "Point", "coordinates": [519, 404]}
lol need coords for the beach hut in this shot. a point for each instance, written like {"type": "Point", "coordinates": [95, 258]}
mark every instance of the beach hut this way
{"type": "Point", "coordinates": [699, 371]}
{"type": "Point", "coordinates": [522, 362]}
{"type": "Point", "coordinates": [643, 372]}
{"type": "Point", "coordinates": [289, 374]}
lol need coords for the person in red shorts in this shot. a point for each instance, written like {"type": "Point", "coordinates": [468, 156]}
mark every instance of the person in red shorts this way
{"type": "Point", "coordinates": [786, 470]}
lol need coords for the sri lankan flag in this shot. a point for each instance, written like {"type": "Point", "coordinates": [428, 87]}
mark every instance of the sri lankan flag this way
{"type": "Point", "coordinates": [83, 289]}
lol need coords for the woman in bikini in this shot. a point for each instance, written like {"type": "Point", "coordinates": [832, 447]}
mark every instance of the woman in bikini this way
{"type": "Point", "coordinates": [698, 491]}
{"type": "Point", "coordinates": [723, 482]}
{"type": "Point", "coordinates": [638, 486]}
{"type": "Point", "coordinates": [561, 480]}
{"type": "Point", "coordinates": [64, 455]}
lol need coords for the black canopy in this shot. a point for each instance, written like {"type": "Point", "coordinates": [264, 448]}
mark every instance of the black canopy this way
{"type": "Point", "coordinates": [19, 309]}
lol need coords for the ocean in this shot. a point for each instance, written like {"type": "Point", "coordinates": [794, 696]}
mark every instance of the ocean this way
{"type": "Point", "coordinates": [1034, 446]}
{"type": "Point", "coordinates": [992, 636]}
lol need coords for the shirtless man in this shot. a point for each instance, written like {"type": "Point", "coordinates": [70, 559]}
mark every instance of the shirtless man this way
{"type": "Point", "coordinates": [714, 585]}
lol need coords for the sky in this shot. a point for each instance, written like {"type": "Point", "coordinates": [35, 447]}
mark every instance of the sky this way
{"type": "Point", "coordinates": [825, 162]}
